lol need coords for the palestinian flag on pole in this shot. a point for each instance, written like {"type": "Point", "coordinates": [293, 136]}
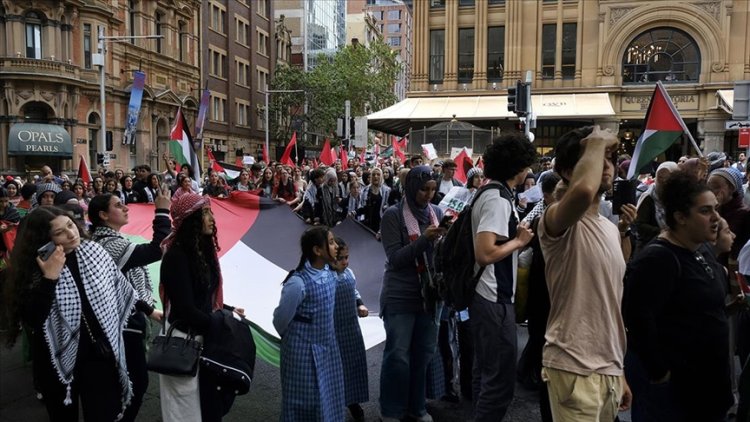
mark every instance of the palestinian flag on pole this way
{"type": "Point", "coordinates": [663, 127]}
{"type": "Point", "coordinates": [181, 145]}
{"type": "Point", "coordinates": [230, 171]}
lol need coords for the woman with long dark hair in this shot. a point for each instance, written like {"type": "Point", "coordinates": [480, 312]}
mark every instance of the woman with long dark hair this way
{"type": "Point", "coordinates": [74, 301]}
{"type": "Point", "coordinates": [108, 215]}
{"type": "Point", "coordinates": [312, 382]}
{"type": "Point", "coordinates": [408, 230]}
{"type": "Point", "coordinates": [191, 289]}
{"type": "Point", "coordinates": [284, 191]}
{"type": "Point", "coordinates": [152, 188]}
{"type": "Point", "coordinates": [674, 309]}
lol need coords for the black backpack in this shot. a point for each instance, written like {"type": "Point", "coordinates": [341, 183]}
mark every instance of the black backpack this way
{"type": "Point", "coordinates": [454, 256]}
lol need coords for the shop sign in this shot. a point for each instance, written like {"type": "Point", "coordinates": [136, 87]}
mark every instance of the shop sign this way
{"type": "Point", "coordinates": [39, 139]}
{"type": "Point", "coordinates": [641, 102]}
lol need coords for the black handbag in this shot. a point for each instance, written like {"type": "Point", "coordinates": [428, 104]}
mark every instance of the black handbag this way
{"type": "Point", "coordinates": [170, 355]}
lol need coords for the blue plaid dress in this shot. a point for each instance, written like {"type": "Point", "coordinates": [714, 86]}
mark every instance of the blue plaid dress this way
{"type": "Point", "coordinates": [349, 338]}
{"type": "Point", "coordinates": [312, 382]}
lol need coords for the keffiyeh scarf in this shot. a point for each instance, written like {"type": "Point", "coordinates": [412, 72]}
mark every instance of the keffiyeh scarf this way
{"type": "Point", "coordinates": [112, 300]}
{"type": "Point", "coordinates": [121, 249]}
{"type": "Point", "coordinates": [429, 290]}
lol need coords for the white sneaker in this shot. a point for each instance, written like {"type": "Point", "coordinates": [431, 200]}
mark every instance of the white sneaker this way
{"type": "Point", "coordinates": [424, 418]}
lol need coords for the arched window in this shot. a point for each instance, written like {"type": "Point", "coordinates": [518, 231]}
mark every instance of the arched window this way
{"type": "Point", "coordinates": [33, 35]}
{"type": "Point", "coordinates": [132, 20]}
{"type": "Point", "coordinates": [661, 54]}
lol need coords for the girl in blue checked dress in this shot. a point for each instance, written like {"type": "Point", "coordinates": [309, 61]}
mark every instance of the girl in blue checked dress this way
{"type": "Point", "coordinates": [349, 306]}
{"type": "Point", "coordinates": [312, 381]}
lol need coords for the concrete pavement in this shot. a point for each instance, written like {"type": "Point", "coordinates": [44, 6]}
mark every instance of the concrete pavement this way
{"type": "Point", "coordinates": [19, 404]}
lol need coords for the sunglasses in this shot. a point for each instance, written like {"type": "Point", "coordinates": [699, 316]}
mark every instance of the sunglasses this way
{"type": "Point", "coordinates": [701, 260]}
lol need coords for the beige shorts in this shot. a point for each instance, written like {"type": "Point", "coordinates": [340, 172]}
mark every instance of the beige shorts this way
{"type": "Point", "coordinates": [578, 398]}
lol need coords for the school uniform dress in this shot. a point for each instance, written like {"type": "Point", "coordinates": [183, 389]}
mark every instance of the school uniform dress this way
{"type": "Point", "coordinates": [312, 382]}
{"type": "Point", "coordinates": [350, 341]}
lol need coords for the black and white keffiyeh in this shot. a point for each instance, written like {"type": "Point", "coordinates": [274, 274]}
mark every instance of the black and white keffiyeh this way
{"type": "Point", "coordinates": [121, 249]}
{"type": "Point", "coordinates": [112, 299]}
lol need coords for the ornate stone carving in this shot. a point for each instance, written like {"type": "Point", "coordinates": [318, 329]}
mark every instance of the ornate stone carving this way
{"type": "Point", "coordinates": [713, 8]}
{"type": "Point", "coordinates": [24, 94]}
{"type": "Point", "coordinates": [47, 95]}
{"type": "Point", "coordinates": [617, 13]}
{"type": "Point", "coordinates": [717, 67]}
{"type": "Point", "coordinates": [608, 70]}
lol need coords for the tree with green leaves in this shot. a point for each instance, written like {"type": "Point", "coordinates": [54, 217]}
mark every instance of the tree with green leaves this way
{"type": "Point", "coordinates": [364, 75]}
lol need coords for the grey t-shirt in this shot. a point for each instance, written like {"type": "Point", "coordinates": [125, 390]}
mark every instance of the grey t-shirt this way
{"type": "Point", "coordinates": [491, 213]}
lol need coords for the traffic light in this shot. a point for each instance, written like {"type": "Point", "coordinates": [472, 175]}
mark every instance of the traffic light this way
{"type": "Point", "coordinates": [518, 98]}
{"type": "Point", "coordinates": [513, 97]}
{"type": "Point", "coordinates": [100, 158]}
{"type": "Point", "coordinates": [523, 96]}
{"type": "Point", "coordinates": [108, 140]}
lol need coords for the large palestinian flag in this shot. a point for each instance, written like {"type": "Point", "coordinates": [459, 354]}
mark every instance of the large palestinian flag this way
{"type": "Point", "coordinates": [663, 127]}
{"type": "Point", "coordinates": [259, 240]}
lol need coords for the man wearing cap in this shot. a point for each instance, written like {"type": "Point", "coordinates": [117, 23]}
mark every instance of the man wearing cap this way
{"type": "Point", "coordinates": [446, 181]}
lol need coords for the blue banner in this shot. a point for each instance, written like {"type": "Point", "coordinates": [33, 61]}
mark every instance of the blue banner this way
{"type": "Point", "coordinates": [134, 108]}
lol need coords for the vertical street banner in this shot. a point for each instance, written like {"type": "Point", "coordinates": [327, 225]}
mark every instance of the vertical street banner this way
{"type": "Point", "coordinates": [202, 111]}
{"type": "Point", "coordinates": [134, 108]}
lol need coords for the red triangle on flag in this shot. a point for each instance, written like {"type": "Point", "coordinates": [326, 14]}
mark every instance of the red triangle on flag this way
{"type": "Point", "coordinates": [344, 158]}
{"type": "Point", "coordinates": [661, 113]}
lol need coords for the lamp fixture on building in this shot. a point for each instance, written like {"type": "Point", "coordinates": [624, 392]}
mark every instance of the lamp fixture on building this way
{"type": "Point", "coordinates": [434, 87]}
{"type": "Point", "coordinates": [494, 86]}
{"type": "Point", "coordinates": [628, 135]}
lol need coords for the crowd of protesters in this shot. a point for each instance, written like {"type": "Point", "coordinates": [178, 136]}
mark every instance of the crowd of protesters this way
{"type": "Point", "coordinates": [638, 306]}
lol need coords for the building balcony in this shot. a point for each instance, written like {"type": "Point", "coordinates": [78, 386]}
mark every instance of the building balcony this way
{"type": "Point", "coordinates": [36, 68]}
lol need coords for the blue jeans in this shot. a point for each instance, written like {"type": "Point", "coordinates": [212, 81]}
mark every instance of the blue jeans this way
{"type": "Point", "coordinates": [410, 342]}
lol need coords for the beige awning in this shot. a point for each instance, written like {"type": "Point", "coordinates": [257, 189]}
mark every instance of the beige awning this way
{"type": "Point", "coordinates": [399, 118]}
{"type": "Point", "coordinates": [725, 100]}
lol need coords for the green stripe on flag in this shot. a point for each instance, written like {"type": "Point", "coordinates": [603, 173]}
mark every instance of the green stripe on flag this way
{"type": "Point", "coordinates": [654, 145]}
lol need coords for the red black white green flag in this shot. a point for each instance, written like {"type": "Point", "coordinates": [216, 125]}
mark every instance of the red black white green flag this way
{"type": "Point", "coordinates": [663, 127]}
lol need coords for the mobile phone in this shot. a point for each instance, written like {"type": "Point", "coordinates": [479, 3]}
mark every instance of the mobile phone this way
{"type": "Point", "coordinates": [446, 221]}
{"type": "Point", "coordinates": [623, 192]}
{"type": "Point", "coordinates": [46, 250]}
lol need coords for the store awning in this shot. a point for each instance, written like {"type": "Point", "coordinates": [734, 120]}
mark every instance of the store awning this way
{"type": "Point", "coordinates": [399, 118]}
{"type": "Point", "coordinates": [725, 100]}
{"type": "Point", "coordinates": [39, 139]}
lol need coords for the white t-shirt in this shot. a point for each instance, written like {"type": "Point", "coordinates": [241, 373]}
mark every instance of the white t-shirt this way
{"type": "Point", "coordinates": [491, 213]}
{"type": "Point", "coordinates": [445, 186]}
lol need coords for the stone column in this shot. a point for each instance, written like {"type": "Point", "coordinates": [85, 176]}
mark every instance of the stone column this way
{"type": "Point", "coordinates": [451, 46]}
{"type": "Point", "coordinates": [480, 46]}
{"type": "Point", "coordinates": [421, 47]}
{"type": "Point", "coordinates": [713, 135]}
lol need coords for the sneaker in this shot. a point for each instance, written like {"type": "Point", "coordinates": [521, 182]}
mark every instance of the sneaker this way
{"type": "Point", "coordinates": [424, 418]}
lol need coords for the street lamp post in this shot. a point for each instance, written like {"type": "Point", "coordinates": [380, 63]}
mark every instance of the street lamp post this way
{"type": "Point", "coordinates": [266, 93]}
{"type": "Point", "coordinates": [99, 59]}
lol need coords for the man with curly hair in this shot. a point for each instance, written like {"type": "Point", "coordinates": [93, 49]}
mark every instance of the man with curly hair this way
{"type": "Point", "coordinates": [498, 238]}
{"type": "Point", "coordinates": [585, 337]}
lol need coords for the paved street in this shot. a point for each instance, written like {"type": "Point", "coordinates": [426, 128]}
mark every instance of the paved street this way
{"type": "Point", "coordinates": [18, 404]}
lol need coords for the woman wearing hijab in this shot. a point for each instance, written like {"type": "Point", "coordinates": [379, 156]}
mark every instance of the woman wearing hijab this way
{"type": "Point", "coordinates": [327, 196]}
{"type": "Point", "coordinates": [649, 220]}
{"type": "Point", "coordinates": [375, 200]}
{"type": "Point", "coordinates": [191, 290]}
{"type": "Point", "coordinates": [409, 230]}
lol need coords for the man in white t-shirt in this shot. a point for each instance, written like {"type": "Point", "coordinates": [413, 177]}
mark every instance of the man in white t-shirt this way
{"type": "Point", "coordinates": [498, 238]}
{"type": "Point", "coordinates": [585, 337]}
{"type": "Point", "coordinates": [445, 180]}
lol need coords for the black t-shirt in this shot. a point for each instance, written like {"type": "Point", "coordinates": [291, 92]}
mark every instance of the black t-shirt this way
{"type": "Point", "coordinates": [674, 313]}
